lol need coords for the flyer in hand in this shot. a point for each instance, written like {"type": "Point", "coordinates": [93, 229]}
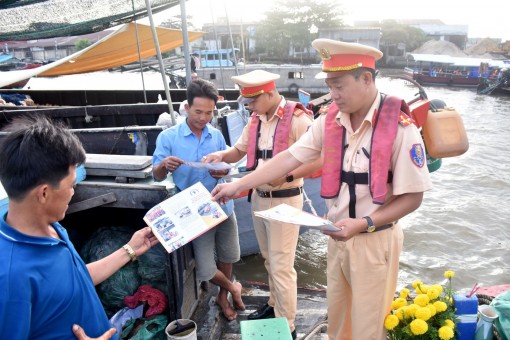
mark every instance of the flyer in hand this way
{"type": "Point", "coordinates": [184, 216]}
{"type": "Point", "coordinates": [288, 214]}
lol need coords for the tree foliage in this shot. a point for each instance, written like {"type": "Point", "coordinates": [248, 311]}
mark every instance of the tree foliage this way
{"type": "Point", "coordinates": [80, 44]}
{"type": "Point", "coordinates": [394, 33]}
{"type": "Point", "coordinates": [175, 22]}
{"type": "Point", "coordinates": [295, 23]}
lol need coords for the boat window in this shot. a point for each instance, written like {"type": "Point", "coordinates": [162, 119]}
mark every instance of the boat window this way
{"type": "Point", "coordinates": [296, 75]}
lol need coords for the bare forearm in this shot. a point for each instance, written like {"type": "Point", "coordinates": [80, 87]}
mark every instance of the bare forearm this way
{"type": "Point", "coordinates": [278, 166]}
{"type": "Point", "coordinates": [104, 268]}
{"type": "Point", "coordinates": [306, 169]}
{"type": "Point", "coordinates": [159, 172]}
{"type": "Point", "coordinates": [231, 155]}
{"type": "Point", "coordinates": [399, 207]}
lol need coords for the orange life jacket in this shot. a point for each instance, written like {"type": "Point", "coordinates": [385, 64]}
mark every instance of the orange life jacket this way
{"type": "Point", "coordinates": [281, 137]}
{"type": "Point", "coordinates": [391, 112]}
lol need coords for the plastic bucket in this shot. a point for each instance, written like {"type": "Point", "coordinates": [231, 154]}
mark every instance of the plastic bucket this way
{"type": "Point", "coordinates": [181, 329]}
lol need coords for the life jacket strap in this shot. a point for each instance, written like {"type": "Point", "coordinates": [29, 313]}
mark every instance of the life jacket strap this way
{"type": "Point", "coordinates": [352, 178]}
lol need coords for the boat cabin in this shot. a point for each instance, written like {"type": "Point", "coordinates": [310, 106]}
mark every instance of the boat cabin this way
{"type": "Point", "coordinates": [217, 58]}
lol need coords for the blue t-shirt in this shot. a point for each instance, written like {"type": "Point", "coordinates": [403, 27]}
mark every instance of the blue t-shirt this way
{"type": "Point", "coordinates": [181, 142]}
{"type": "Point", "coordinates": [45, 288]}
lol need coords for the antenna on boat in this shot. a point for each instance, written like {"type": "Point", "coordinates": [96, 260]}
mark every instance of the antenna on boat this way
{"type": "Point", "coordinates": [160, 60]}
{"type": "Point", "coordinates": [231, 39]}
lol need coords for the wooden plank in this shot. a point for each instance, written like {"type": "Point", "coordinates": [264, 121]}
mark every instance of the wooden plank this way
{"type": "Point", "coordinates": [131, 195]}
{"type": "Point", "coordinates": [144, 173]}
{"type": "Point", "coordinates": [92, 203]}
{"type": "Point", "coordinates": [119, 162]}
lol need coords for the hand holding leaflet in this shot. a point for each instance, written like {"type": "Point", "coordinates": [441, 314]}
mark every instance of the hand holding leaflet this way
{"type": "Point", "coordinates": [288, 214]}
{"type": "Point", "coordinates": [209, 166]}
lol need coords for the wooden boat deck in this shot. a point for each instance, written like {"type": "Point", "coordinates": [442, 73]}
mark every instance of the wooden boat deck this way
{"type": "Point", "coordinates": [212, 325]}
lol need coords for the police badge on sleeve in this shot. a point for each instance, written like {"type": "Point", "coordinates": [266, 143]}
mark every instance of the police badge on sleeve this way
{"type": "Point", "coordinates": [417, 155]}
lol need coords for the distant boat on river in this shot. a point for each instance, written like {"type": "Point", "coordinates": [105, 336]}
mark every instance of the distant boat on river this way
{"type": "Point", "coordinates": [444, 70]}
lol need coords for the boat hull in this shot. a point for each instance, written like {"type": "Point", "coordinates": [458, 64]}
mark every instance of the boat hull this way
{"type": "Point", "coordinates": [443, 80]}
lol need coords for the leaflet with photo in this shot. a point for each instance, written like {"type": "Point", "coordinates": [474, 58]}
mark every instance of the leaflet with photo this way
{"type": "Point", "coordinates": [288, 214]}
{"type": "Point", "coordinates": [184, 216]}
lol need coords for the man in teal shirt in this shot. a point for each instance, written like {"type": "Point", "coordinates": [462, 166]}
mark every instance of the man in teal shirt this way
{"type": "Point", "coordinates": [216, 250]}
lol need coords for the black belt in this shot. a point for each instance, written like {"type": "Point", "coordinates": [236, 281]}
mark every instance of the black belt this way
{"type": "Point", "coordinates": [264, 154]}
{"type": "Point", "coordinates": [280, 193]}
{"type": "Point", "coordinates": [384, 226]}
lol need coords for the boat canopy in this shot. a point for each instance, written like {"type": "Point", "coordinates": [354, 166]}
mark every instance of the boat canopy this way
{"type": "Point", "coordinates": [40, 19]}
{"type": "Point", "coordinates": [451, 61]}
{"type": "Point", "coordinates": [433, 58]}
{"type": "Point", "coordinates": [117, 49]}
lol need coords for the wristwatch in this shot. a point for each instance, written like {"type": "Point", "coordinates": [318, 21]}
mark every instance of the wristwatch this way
{"type": "Point", "coordinates": [371, 226]}
{"type": "Point", "coordinates": [289, 178]}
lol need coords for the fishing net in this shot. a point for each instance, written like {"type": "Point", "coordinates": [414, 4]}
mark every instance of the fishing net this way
{"type": "Point", "coordinates": [40, 19]}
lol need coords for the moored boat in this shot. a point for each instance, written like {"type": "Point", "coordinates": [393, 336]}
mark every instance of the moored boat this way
{"type": "Point", "coordinates": [444, 70]}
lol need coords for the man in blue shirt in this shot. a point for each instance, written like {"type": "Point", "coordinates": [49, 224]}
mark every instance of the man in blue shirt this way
{"type": "Point", "coordinates": [216, 250]}
{"type": "Point", "coordinates": [46, 290]}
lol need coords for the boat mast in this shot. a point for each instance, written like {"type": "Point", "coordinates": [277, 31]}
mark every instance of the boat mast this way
{"type": "Point", "coordinates": [185, 46]}
{"type": "Point", "coordinates": [160, 61]}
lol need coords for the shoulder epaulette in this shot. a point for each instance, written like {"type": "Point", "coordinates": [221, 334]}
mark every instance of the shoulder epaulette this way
{"type": "Point", "coordinates": [324, 109]}
{"type": "Point", "coordinates": [404, 120]}
{"type": "Point", "coordinates": [298, 112]}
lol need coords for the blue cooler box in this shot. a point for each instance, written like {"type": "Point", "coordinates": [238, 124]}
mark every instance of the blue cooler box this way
{"type": "Point", "coordinates": [466, 312]}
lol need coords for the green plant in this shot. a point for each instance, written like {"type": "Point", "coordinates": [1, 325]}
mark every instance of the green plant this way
{"type": "Point", "coordinates": [427, 315]}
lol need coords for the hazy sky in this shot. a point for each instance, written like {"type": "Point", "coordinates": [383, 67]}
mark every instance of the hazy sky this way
{"type": "Point", "coordinates": [486, 18]}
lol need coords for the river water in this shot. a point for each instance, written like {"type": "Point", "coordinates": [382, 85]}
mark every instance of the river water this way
{"type": "Point", "coordinates": [463, 223]}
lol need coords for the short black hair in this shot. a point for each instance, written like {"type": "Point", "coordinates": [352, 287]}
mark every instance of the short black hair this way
{"type": "Point", "coordinates": [36, 151]}
{"type": "Point", "coordinates": [201, 88]}
{"type": "Point", "coordinates": [359, 71]}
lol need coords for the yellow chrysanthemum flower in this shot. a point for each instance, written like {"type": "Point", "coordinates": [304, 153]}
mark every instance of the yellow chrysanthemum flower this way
{"type": "Point", "coordinates": [449, 274]}
{"type": "Point", "coordinates": [449, 323]}
{"type": "Point", "coordinates": [398, 302]}
{"type": "Point", "coordinates": [421, 300]}
{"type": "Point", "coordinates": [423, 313]}
{"type": "Point", "coordinates": [404, 293]}
{"type": "Point", "coordinates": [422, 289]}
{"type": "Point", "coordinates": [433, 293]}
{"type": "Point", "coordinates": [432, 309]}
{"type": "Point", "coordinates": [411, 310]}
{"type": "Point", "coordinates": [440, 306]}
{"type": "Point", "coordinates": [391, 322]}
{"type": "Point", "coordinates": [401, 313]}
{"type": "Point", "coordinates": [417, 283]}
{"type": "Point", "coordinates": [437, 287]}
{"type": "Point", "coordinates": [419, 327]}
{"type": "Point", "coordinates": [445, 333]}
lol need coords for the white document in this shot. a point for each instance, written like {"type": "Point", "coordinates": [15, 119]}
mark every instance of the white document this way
{"type": "Point", "coordinates": [288, 214]}
{"type": "Point", "coordinates": [209, 166]}
{"type": "Point", "coordinates": [184, 217]}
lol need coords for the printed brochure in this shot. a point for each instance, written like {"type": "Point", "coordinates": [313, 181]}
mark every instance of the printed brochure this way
{"type": "Point", "coordinates": [184, 217]}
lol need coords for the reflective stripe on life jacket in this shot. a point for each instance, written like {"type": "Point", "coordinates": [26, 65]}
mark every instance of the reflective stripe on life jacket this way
{"type": "Point", "coordinates": [281, 137]}
{"type": "Point", "coordinates": [385, 124]}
